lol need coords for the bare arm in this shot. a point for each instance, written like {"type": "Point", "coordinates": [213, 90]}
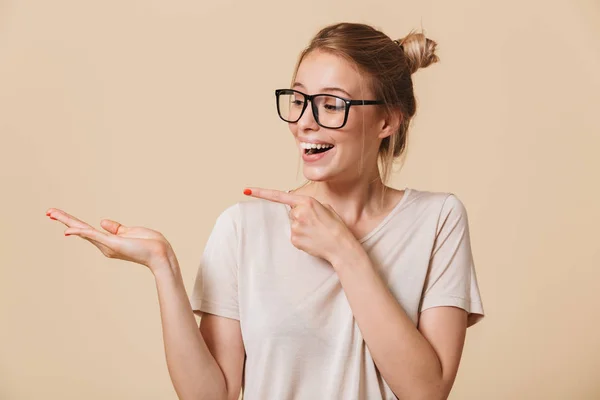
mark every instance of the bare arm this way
{"type": "Point", "coordinates": [417, 363]}
{"type": "Point", "coordinates": [194, 371]}
{"type": "Point", "coordinates": [223, 337]}
{"type": "Point", "coordinates": [199, 369]}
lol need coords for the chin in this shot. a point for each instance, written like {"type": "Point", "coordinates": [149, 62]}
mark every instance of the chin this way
{"type": "Point", "coordinates": [323, 173]}
{"type": "Point", "coordinates": [317, 174]}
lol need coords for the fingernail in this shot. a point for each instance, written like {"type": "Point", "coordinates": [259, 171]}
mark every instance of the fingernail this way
{"type": "Point", "coordinates": [247, 192]}
{"type": "Point", "coordinates": [67, 234]}
{"type": "Point", "coordinates": [53, 218]}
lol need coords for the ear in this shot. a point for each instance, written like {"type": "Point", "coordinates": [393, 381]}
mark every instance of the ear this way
{"type": "Point", "coordinates": [390, 124]}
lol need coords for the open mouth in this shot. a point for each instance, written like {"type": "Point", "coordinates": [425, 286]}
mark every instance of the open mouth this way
{"type": "Point", "coordinates": [314, 148]}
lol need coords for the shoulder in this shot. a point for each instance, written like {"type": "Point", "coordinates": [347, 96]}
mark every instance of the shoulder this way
{"type": "Point", "coordinates": [437, 199]}
{"type": "Point", "coordinates": [440, 204]}
{"type": "Point", "coordinates": [252, 211]}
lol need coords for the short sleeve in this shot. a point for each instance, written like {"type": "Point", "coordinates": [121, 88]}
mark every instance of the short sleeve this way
{"type": "Point", "coordinates": [451, 279]}
{"type": "Point", "coordinates": [216, 286]}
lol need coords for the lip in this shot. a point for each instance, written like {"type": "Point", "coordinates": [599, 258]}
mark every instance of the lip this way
{"type": "Point", "coordinates": [315, 157]}
{"type": "Point", "coordinates": [312, 141]}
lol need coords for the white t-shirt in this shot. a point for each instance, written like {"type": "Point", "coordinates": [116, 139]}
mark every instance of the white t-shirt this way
{"type": "Point", "coordinates": [300, 336]}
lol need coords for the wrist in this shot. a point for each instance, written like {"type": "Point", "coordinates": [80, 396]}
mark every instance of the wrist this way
{"type": "Point", "coordinates": [166, 265]}
{"type": "Point", "coordinates": [347, 252]}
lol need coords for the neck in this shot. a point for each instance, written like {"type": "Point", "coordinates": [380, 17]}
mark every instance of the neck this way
{"type": "Point", "coordinates": [353, 199]}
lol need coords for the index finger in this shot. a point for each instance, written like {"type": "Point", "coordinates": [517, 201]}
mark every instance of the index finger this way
{"type": "Point", "coordinates": [66, 218]}
{"type": "Point", "coordinates": [275, 195]}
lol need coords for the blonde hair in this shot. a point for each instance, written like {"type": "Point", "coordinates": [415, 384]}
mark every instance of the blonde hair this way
{"type": "Point", "coordinates": [388, 64]}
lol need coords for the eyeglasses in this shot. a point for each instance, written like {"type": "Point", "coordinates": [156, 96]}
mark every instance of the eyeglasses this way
{"type": "Point", "coordinates": [330, 111]}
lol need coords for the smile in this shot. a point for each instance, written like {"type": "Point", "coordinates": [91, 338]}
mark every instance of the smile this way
{"type": "Point", "coordinates": [315, 148]}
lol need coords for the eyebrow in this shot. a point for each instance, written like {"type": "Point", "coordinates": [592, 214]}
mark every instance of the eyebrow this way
{"type": "Point", "coordinates": [327, 89]}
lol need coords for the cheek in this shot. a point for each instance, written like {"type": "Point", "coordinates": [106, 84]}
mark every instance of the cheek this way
{"type": "Point", "coordinates": [293, 128]}
{"type": "Point", "coordinates": [349, 138]}
{"type": "Point", "coordinates": [360, 134]}
{"type": "Point", "coordinates": [355, 145]}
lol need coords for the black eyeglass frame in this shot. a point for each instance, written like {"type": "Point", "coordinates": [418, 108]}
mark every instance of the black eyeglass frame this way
{"type": "Point", "coordinates": [308, 97]}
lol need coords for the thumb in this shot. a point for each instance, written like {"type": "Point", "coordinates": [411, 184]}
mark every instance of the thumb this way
{"type": "Point", "coordinates": [112, 226]}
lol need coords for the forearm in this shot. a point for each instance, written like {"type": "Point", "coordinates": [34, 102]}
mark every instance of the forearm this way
{"type": "Point", "coordinates": [194, 371]}
{"type": "Point", "coordinates": [402, 355]}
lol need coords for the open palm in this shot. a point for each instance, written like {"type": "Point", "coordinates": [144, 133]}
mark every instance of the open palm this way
{"type": "Point", "coordinates": [137, 244]}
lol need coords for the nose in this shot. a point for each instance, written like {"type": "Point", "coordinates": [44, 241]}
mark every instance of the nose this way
{"type": "Point", "coordinates": [307, 120]}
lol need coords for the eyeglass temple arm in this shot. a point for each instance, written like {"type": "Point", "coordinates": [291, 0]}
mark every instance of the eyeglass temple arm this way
{"type": "Point", "coordinates": [365, 102]}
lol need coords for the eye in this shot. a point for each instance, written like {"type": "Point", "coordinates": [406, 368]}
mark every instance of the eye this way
{"type": "Point", "coordinates": [333, 104]}
{"type": "Point", "coordinates": [333, 107]}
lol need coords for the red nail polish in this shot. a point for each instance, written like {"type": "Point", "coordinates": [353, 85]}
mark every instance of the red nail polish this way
{"type": "Point", "coordinates": [247, 192]}
{"type": "Point", "coordinates": [53, 218]}
{"type": "Point", "coordinates": [67, 234]}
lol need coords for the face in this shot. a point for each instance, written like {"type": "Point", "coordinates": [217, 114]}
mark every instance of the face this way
{"type": "Point", "coordinates": [341, 149]}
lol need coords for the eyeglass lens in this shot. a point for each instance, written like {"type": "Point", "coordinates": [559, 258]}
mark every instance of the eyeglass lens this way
{"type": "Point", "coordinates": [330, 113]}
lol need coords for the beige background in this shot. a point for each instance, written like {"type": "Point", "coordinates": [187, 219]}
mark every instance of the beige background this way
{"type": "Point", "coordinates": [158, 113]}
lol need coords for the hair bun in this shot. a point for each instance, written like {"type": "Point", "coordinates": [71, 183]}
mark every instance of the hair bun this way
{"type": "Point", "coordinates": [419, 50]}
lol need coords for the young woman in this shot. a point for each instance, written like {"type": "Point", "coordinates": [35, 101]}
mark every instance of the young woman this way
{"type": "Point", "coordinates": [344, 288]}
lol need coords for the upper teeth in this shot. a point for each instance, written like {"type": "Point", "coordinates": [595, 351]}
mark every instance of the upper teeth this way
{"type": "Point", "coordinates": [305, 145]}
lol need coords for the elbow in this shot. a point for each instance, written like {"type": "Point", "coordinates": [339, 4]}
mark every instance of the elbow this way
{"type": "Point", "coordinates": [431, 395]}
{"type": "Point", "coordinates": [438, 388]}
{"type": "Point", "coordinates": [439, 391]}
{"type": "Point", "coordinates": [205, 392]}
{"type": "Point", "coordinates": [429, 391]}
